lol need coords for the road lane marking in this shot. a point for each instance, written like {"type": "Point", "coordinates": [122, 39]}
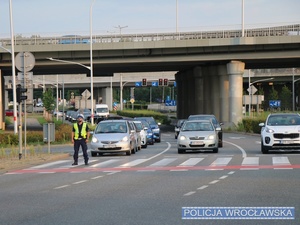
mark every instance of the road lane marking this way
{"type": "Point", "coordinates": [202, 187]}
{"type": "Point", "coordinates": [239, 147]}
{"type": "Point", "coordinates": [163, 162]}
{"type": "Point", "coordinates": [105, 163]}
{"type": "Point", "coordinates": [93, 178]}
{"type": "Point", "coordinates": [133, 163]}
{"type": "Point", "coordinates": [190, 193]}
{"type": "Point", "coordinates": [221, 162]}
{"type": "Point", "coordinates": [80, 182]}
{"type": "Point", "coordinates": [48, 164]}
{"type": "Point", "coordinates": [63, 186]}
{"type": "Point", "coordinates": [191, 162]}
{"type": "Point", "coordinates": [214, 182]}
{"type": "Point", "coordinates": [223, 177]}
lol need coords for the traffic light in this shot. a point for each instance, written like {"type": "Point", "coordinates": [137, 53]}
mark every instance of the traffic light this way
{"type": "Point", "coordinates": [160, 82]}
{"type": "Point", "coordinates": [20, 96]}
{"type": "Point", "coordinates": [166, 82]}
{"type": "Point", "coordinates": [144, 82]}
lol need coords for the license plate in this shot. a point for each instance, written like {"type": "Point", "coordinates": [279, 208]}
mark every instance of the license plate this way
{"type": "Point", "coordinates": [109, 146]}
{"type": "Point", "coordinates": [286, 142]}
{"type": "Point", "coordinates": [197, 143]}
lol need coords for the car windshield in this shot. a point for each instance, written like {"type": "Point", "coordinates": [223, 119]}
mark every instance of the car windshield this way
{"type": "Point", "coordinates": [139, 126]}
{"type": "Point", "coordinates": [283, 120]}
{"type": "Point", "coordinates": [101, 110]}
{"type": "Point", "coordinates": [197, 126]}
{"type": "Point", "coordinates": [111, 127]}
{"type": "Point", "coordinates": [211, 118]}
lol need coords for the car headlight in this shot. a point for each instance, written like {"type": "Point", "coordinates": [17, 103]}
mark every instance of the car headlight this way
{"type": "Point", "coordinates": [95, 140]}
{"type": "Point", "coordinates": [125, 139]}
{"type": "Point", "coordinates": [211, 137]}
{"type": "Point", "coordinates": [182, 138]}
{"type": "Point", "coordinates": [268, 130]}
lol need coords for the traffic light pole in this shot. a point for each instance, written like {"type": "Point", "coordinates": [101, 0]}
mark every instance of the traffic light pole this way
{"type": "Point", "coordinates": [20, 131]}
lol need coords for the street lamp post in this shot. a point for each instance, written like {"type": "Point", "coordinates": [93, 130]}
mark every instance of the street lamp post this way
{"type": "Point", "coordinates": [294, 81]}
{"type": "Point", "coordinates": [92, 86]}
{"type": "Point", "coordinates": [13, 69]}
{"type": "Point", "coordinates": [91, 62]}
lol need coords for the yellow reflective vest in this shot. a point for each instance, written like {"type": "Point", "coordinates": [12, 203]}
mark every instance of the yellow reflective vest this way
{"type": "Point", "coordinates": [83, 131]}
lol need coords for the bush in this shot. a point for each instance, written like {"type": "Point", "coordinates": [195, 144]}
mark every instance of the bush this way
{"type": "Point", "coordinates": [162, 118]}
{"type": "Point", "coordinates": [251, 125]}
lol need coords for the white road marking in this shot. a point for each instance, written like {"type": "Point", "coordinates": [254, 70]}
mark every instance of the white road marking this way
{"type": "Point", "coordinates": [250, 161]}
{"type": "Point", "coordinates": [191, 162]}
{"type": "Point", "coordinates": [63, 186]}
{"type": "Point", "coordinates": [80, 182]}
{"type": "Point", "coordinates": [48, 164]}
{"type": "Point", "coordinates": [214, 182]}
{"type": "Point", "coordinates": [202, 187]}
{"type": "Point", "coordinates": [163, 162]}
{"type": "Point", "coordinates": [221, 162]}
{"type": "Point", "coordinates": [239, 147]}
{"type": "Point", "coordinates": [189, 193]}
{"type": "Point", "coordinates": [105, 163]}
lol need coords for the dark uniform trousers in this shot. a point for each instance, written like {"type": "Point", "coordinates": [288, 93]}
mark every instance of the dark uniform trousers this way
{"type": "Point", "coordinates": [77, 143]}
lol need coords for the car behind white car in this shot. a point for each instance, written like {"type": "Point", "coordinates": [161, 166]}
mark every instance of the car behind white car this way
{"type": "Point", "coordinates": [197, 135]}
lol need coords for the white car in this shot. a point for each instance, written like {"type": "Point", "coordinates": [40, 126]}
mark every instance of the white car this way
{"type": "Point", "coordinates": [280, 132]}
{"type": "Point", "coordinates": [143, 132]}
{"type": "Point", "coordinates": [197, 135]}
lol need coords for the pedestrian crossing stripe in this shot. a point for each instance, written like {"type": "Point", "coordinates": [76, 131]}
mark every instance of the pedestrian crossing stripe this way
{"type": "Point", "coordinates": [219, 163]}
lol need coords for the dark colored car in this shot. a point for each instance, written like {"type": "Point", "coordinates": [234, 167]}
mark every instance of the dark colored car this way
{"type": "Point", "coordinates": [154, 126]}
{"type": "Point", "coordinates": [178, 126]}
{"type": "Point", "coordinates": [215, 122]}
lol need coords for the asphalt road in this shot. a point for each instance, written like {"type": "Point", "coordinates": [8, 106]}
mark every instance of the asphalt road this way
{"type": "Point", "coordinates": [153, 185]}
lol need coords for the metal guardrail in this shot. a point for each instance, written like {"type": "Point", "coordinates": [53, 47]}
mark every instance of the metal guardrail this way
{"type": "Point", "coordinates": [285, 30]}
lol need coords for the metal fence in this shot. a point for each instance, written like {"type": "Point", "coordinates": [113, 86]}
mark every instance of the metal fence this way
{"type": "Point", "coordinates": [285, 30]}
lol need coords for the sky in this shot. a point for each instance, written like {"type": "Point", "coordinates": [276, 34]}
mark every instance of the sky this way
{"type": "Point", "coordinates": [70, 17]}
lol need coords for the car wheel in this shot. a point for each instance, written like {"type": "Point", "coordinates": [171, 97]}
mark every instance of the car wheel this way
{"type": "Point", "coordinates": [128, 152]}
{"type": "Point", "coordinates": [144, 146]}
{"type": "Point", "coordinates": [264, 149]}
{"type": "Point", "coordinates": [94, 154]}
{"type": "Point", "coordinates": [215, 150]}
{"type": "Point", "coordinates": [180, 151]}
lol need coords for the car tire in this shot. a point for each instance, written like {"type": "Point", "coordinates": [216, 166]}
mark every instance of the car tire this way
{"type": "Point", "coordinates": [93, 154]}
{"type": "Point", "coordinates": [180, 151]}
{"type": "Point", "coordinates": [144, 146]}
{"type": "Point", "coordinates": [264, 149]}
{"type": "Point", "coordinates": [215, 150]}
{"type": "Point", "coordinates": [128, 152]}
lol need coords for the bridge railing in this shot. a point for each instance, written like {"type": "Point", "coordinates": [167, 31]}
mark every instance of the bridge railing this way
{"type": "Point", "coordinates": [286, 30]}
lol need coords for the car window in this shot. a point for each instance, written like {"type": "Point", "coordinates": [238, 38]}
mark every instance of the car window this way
{"type": "Point", "coordinates": [283, 120]}
{"type": "Point", "coordinates": [111, 127]}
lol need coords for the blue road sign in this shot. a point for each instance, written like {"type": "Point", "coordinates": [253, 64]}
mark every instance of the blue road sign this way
{"type": "Point", "coordinates": [274, 103]}
{"type": "Point", "coordinates": [138, 84]}
{"type": "Point", "coordinates": [154, 84]}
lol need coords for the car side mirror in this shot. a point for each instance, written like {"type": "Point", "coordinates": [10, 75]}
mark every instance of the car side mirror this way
{"type": "Point", "coordinates": [261, 124]}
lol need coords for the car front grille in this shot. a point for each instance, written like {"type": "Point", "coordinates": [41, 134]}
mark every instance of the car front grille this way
{"type": "Point", "coordinates": [109, 142]}
{"type": "Point", "coordinates": [282, 136]}
{"type": "Point", "coordinates": [196, 138]}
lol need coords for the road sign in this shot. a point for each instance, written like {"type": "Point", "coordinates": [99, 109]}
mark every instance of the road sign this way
{"type": "Point", "coordinates": [86, 94]}
{"type": "Point", "coordinates": [252, 90]}
{"type": "Point", "coordinates": [154, 84]}
{"type": "Point", "coordinates": [25, 61]}
{"type": "Point", "coordinates": [138, 84]}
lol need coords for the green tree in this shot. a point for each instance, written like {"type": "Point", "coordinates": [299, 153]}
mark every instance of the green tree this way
{"type": "Point", "coordinates": [48, 100]}
{"type": "Point", "coordinates": [285, 97]}
{"type": "Point", "coordinates": [273, 95]}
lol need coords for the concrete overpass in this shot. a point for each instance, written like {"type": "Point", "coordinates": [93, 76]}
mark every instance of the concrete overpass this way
{"type": "Point", "coordinates": [210, 64]}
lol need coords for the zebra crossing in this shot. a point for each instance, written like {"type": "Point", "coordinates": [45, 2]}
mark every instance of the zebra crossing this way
{"type": "Point", "coordinates": [167, 163]}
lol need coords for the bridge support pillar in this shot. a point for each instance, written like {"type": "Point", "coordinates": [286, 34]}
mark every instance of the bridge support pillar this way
{"type": "Point", "coordinates": [235, 70]}
{"type": "Point", "coordinates": [198, 90]}
{"type": "Point", "coordinates": [224, 93]}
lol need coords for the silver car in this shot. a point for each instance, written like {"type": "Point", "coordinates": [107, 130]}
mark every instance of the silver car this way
{"type": "Point", "coordinates": [112, 136]}
{"type": "Point", "coordinates": [197, 135]}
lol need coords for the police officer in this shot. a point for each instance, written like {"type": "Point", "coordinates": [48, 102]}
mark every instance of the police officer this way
{"type": "Point", "coordinates": [80, 137]}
